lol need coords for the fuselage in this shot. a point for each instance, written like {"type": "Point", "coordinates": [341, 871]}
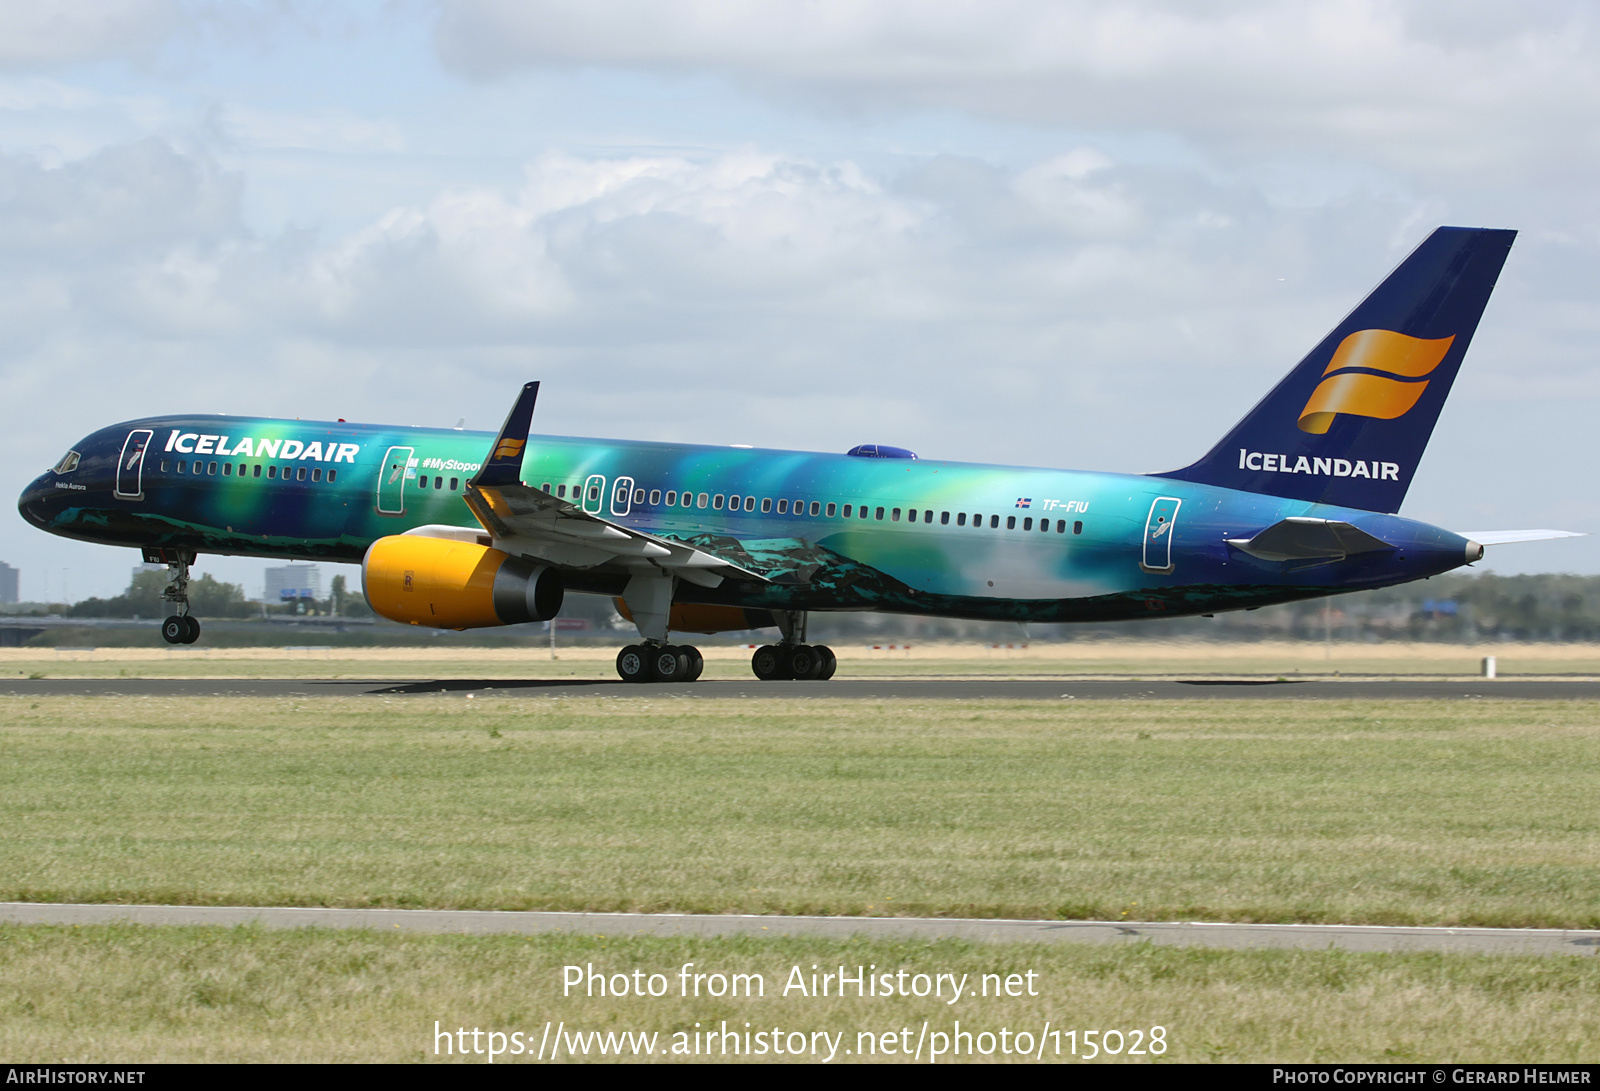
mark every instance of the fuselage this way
{"type": "Point", "coordinates": [833, 532]}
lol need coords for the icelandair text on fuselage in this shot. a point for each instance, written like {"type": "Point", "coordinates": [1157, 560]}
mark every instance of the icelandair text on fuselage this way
{"type": "Point", "coordinates": [195, 443]}
{"type": "Point", "coordinates": [1320, 467]}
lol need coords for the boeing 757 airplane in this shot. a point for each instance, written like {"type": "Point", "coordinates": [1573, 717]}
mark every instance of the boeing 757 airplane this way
{"type": "Point", "coordinates": [458, 530]}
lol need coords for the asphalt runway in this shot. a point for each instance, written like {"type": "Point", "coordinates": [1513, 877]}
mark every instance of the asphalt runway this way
{"type": "Point", "coordinates": [845, 689]}
{"type": "Point", "coordinates": [1319, 937]}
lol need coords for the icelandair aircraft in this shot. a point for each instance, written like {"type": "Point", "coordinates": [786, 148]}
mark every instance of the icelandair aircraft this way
{"type": "Point", "coordinates": [458, 530]}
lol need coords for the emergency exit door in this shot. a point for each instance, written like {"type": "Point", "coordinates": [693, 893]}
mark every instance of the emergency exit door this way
{"type": "Point", "coordinates": [398, 467]}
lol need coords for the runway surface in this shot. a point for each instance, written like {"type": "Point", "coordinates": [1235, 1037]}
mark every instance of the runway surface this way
{"type": "Point", "coordinates": [846, 689]}
{"type": "Point", "coordinates": [1359, 938]}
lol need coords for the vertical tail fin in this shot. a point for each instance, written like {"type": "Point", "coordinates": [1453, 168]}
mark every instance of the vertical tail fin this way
{"type": "Point", "coordinates": [1349, 424]}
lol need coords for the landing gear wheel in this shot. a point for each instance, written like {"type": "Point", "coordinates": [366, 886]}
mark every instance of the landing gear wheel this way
{"type": "Point", "coordinates": [830, 662]}
{"type": "Point", "coordinates": [697, 663]}
{"type": "Point", "coordinates": [670, 663]}
{"type": "Point", "coordinates": [175, 630]}
{"type": "Point", "coordinates": [803, 662]}
{"type": "Point", "coordinates": [769, 663]}
{"type": "Point", "coordinates": [192, 624]}
{"type": "Point", "coordinates": [633, 664]}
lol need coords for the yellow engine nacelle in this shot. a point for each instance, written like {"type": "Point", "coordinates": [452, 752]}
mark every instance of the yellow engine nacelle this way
{"type": "Point", "coordinates": [447, 584]}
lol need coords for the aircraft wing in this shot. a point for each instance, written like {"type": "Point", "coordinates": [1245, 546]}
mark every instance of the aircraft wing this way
{"type": "Point", "coordinates": [1506, 537]}
{"type": "Point", "coordinates": [529, 522]}
{"type": "Point", "coordinates": [1299, 538]}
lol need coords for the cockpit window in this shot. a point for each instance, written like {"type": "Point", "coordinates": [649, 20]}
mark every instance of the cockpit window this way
{"type": "Point", "coordinates": [67, 463]}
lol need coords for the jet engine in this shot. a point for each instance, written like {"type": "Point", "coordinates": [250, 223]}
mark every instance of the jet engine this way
{"type": "Point", "coordinates": [448, 584]}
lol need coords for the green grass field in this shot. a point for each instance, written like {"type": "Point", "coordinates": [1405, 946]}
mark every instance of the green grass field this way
{"type": "Point", "coordinates": [1404, 812]}
{"type": "Point", "coordinates": [120, 993]}
{"type": "Point", "coordinates": [1413, 812]}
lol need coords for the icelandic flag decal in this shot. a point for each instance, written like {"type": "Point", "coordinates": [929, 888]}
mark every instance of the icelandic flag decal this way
{"type": "Point", "coordinates": [1024, 501]}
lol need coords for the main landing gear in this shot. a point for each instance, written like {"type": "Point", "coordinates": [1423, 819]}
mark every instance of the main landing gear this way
{"type": "Point", "coordinates": [181, 627]}
{"type": "Point", "coordinates": [793, 658]}
{"type": "Point", "coordinates": [801, 662]}
{"type": "Point", "coordinates": [660, 663]}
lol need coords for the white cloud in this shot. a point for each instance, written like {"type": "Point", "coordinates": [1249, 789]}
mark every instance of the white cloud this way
{"type": "Point", "coordinates": [34, 33]}
{"type": "Point", "coordinates": [1427, 87]}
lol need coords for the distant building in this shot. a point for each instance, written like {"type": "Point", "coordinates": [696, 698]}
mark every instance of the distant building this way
{"type": "Point", "coordinates": [292, 582]}
{"type": "Point", "coordinates": [8, 582]}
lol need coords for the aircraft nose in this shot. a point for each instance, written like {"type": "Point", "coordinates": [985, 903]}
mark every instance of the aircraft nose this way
{"type": "Point", "coordinates": [34, 503]}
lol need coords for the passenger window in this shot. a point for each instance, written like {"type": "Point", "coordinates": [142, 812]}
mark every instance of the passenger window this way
{"type": "Point", "coordinates": [847, 511]}
{"type": "Point", "coordinates": [1027, 524]}
{"type": "Point", "coordinates": [961, 519]}
{"type": "Point", "coordinates": [561, 491]}
{"type": "Point", "coordinates": [911, 516]}
{"type": "Point", "coordinates": [655, 498]}
{"type": "Point", "coordinates": [180, 466]}
{"type": "Point", "coordinates": [783, 507]}
{"type": "Point", "coordinates": [545, 487]}
{"type": "Point", "coordinates": [879, 514]}
{"type": "Point", "coordinates": [716, 502]}
{"type": "Point", "coordinates": [1044, 525]}
{"type": "Point", "coordinates": [272, 471]}
{"type": "Point", "coordinates": [454, 481]}
{"type": "Point", "coordinates": [944, 518]}
{"type": "Point", "coordinates": [994, 522]}
{"type": "Point", "coordinates": [255, 471]}
{"type": "Point", "coordinates": [638, 496]}
{"type": "Point", "coordinates": [316, 475]}
{"type": "Point", "coordinates": [816, 508]}
{"type": "Point", "coordinates": [927, 516]}
{"type": "Point", "coordinates": [1011, 522]}
{"type": "Point", "coordinates": [211, 468]}
{"type": "Point", "coordinates": [301, 475]}
{"type": "Point", "coordinates": [749, 503]}
{"type": "Point", "coordinates": [894, 516]}
{"type": "Point", "coordinates": [594, 493]}
{"type": "Point", "coordinates": [672, 498]}
{"type": "Point", "coordinates": [334, 474]}
{"type": "Point", "coordinates": [1077, 527]}
{"type": "Point", "coordinates": [700, 501]}
{"type": "Point", "coordinates": [164, 465]}
{"type": "Point", "coordinates": [831, 509]}
{"type": "Point", "coordinates": [861, 512]}
{"type": "Point", "coordinates": [766, 504]}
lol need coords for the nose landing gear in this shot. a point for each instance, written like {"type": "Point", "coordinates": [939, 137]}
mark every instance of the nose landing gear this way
{"type": "Point", "coordinates": [181, 627]}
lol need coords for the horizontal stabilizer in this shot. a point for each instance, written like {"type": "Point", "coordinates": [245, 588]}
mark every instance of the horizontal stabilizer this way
{"type": "Point", "coordinates": [1506, 537]}
{"type": "Point", "coordinates": [1301, 539]}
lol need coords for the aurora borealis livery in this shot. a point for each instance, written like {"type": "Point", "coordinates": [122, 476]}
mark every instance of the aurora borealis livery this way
{"type": "Point", "coordinates": [462, 528]}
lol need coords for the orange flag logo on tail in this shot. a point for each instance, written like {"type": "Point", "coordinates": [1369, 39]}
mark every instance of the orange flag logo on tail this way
{"type": "Point", "coordinates": [509, 448]}
{"type": "Point", "coordinates": [1363, 394]}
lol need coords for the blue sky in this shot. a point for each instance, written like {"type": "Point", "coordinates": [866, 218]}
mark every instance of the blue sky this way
{"type": "Point", "coordinates": [1063, 234]}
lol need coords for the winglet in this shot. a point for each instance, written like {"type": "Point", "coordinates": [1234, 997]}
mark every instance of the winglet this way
{"type": "Point", "coordinates": [504, 464]}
